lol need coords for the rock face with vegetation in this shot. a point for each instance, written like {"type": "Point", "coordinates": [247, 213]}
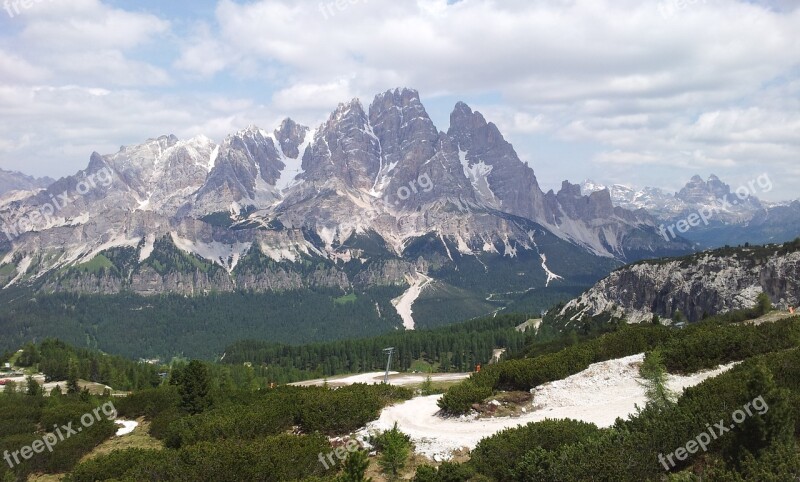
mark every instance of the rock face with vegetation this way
{"type": "Point", "coordinates": [375, 196]}
{"type": "Point", "coordinates": [694, 287]}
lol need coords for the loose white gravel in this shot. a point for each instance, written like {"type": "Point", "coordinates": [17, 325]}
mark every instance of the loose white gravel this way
{"type": "Point", "coordinates": [600, 394]}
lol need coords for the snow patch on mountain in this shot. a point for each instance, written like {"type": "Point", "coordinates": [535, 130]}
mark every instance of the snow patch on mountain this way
{"type": "Point", "coordinates": [478, 175]}
{"type": "Point", "coordinates": [550, 275]}
{"type": "Point", "coordinates": [293, 165]}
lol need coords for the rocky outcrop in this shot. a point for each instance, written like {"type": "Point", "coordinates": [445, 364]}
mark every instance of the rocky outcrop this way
{"type": "Point", "coordinates": [704, 284]}
{"type": "Point", "coordinates": [290, 136]}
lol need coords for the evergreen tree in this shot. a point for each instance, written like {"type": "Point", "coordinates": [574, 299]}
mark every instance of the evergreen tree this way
{"type": "Point", "coordinates": [395, 448]}
{"type": "Point", "coordinates": [195, 388]}
{"type": "Point", "coordinates": [427, 386]}
{"type": "Point", "coordinates": [34, 389]}
{"type": "Point", "coordinates": [654, 373]}
{"type": "Point", "coordinates": [763, 304]}
{"type": "Point", "coordinates": [10, 388]}
{"type": "Point", "coordinates": [771, 421]}
{"type": "Point", "coordinates": [29, 356]}
{"type": "Point", "coordinates": [355, 467]}
{"type": "Point", "coordinates": [72, 378]}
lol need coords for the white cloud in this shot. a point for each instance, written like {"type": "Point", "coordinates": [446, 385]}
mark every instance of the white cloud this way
{"type": "Point", "coordinates": [313, 96]}
{"type": "Point", "coordinates": [69, 26]}
{"type": "Point", "coordinates": [17, 69]}
{"type": "Point", "coordinates": [612, 83]}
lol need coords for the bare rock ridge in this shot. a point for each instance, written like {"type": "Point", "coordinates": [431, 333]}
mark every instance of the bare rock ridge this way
{"type": "Point", "coordinates": [696, 286]}
{"type": "Point", "coordinates": [371, 197]}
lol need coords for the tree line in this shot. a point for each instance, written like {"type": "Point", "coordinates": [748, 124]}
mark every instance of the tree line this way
{"type": "Point", "coordinates": [457, 348]}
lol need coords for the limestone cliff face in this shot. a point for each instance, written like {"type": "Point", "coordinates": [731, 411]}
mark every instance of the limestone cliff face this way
{"type": "Point", "coordinates": [708, 283]}
{"type": "Point", "coordinates": [390, 273]}
{"type": "Point", "coordinates": [363, 196]}
{"type": "Point", "coordinates": [148, 282]}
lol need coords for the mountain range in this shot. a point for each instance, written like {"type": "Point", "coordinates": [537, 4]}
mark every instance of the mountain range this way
{"type": "Point", "coordinates": [736, 216]}
{"type": "Point", "coordinates": [16, 181]}
{"type": "Point", "coordinates": [375, 196]}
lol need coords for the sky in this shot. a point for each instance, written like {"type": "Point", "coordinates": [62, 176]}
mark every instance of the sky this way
{"type": "Point", "coordinates": [636, 92]}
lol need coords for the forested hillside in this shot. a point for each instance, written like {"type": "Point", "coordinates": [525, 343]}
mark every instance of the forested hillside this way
{"type": "Point", "coordinates": [59, 361]}
{"type": "Point", "coordinates": [457, 348]}
{"type": "Point", "coordinates": [197, 327]}
{"type": "Point", "coordinates": [204, 413]}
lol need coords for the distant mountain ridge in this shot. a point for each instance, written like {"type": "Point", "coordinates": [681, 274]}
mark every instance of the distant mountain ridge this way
{"type": "Point", "coordinates": [738, 217]}
{"type": "Point", "coordinates": [375, 196]}
{"type": "Point", "coordinates": [16, 181]}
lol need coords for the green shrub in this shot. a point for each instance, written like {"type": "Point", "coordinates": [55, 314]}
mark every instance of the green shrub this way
{"type": "Point", "coordinates": [149, 402]}
{"type": "Point", "coordinates": [495, 456]}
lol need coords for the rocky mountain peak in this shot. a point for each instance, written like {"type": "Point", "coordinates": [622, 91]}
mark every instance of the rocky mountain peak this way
{"type": "Point", "coordinates": [246, 170]}
{"type": "Point", "coordinates": [96, 162]}
{"type": "Point", "coordinates": [575, 205]}
{"type": "Point", "coordinates": [382, 181]}
{"type": "Point", "coordinates": [570, 190]}
{"type": "Point", "coordinates": [353, 108]}
{"type": "Point", "coordinates": [701, 192]}
{"type": "Point", "coordinates": [464, 122]}
{"type": "Point", "coordinates": [406, 134]}
{"type": "Point", "coordinates": [345, 148]}
{"type": "Point", "coordinates": [485, 154]}
{"type": "Point", "coordinates": [290, 135]}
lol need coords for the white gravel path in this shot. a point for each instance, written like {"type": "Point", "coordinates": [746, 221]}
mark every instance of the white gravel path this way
{"type": "Point", "coordinates": [395, 378]}
{"type": "Point", "coordinates": [599, 395]}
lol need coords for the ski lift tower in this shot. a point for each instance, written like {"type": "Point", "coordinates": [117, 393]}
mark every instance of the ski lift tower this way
{"type": "Point", "coordinates": [389, 351]}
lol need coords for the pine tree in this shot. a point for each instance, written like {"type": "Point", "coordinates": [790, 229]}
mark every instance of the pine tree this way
{"type": "Point", "coordinates": [195, 388]}
{"type": "Point", "coordinates": [355, 467]}
{"type": "Point", "coordinates": [771, 424]}
{"type": "Point", "coordinates": [34, 389]}
{"type": "Point", "coordinates": [395, 449]}
{"type": "Point", "coordinates": [10, 388]}
{"type": "Point", "coordinates": [655, 380]}
{"type": "Point", "coordinates": [72, 378]}
{"type": "Point", "coordinates": [763, 304]}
